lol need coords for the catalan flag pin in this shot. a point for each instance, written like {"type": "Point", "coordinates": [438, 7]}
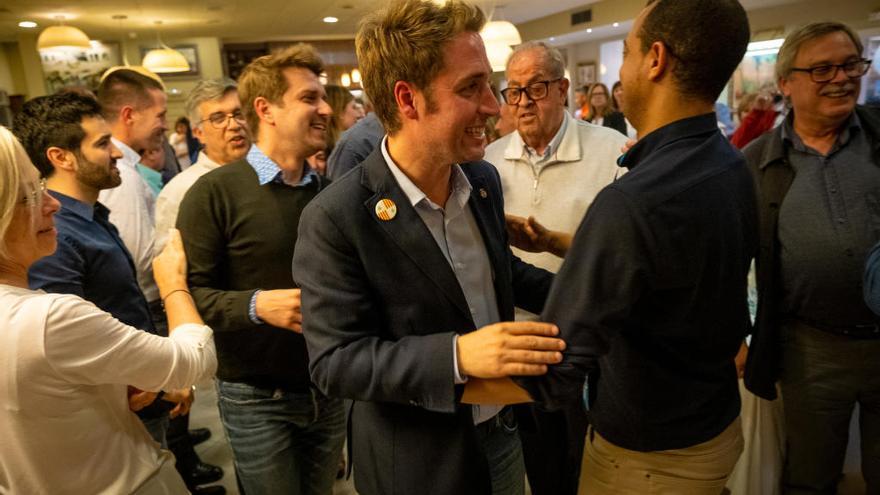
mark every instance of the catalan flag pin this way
{"type": "Point", "coordinates": [483, 193]}
{"type": "Point", "coordinates": [386, 209]}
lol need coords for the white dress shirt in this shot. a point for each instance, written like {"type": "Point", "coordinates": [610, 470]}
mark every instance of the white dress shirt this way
{"type": "Point", "coordinates": [131, 211]}
{"type": "Point", "coordinates": [65, 424]}
{"type": "Point", "coordinates": [458, 236]}
{"type": "Point", "coordinates": [168, 202]}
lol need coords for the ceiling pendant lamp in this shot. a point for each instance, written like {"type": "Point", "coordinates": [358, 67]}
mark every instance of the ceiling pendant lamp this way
{"type": "Point", "coordinates": [62, 36]}
{"type": "Point", "coordinates": [497, 54]}
{"type": "Point", "coordinates": [164, 60]}
{"type": "Point", "coordinates": [501, 32]}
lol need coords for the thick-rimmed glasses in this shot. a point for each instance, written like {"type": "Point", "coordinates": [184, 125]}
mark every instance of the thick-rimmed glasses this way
{"type": "Point", "coordinates": [536, 91]}
{"type": "Point", "coordinates": [34, 197]}
{"type": "Point", "coordinates": [220, 120]}
{"type": "Point", "coordinates": [825, 73]}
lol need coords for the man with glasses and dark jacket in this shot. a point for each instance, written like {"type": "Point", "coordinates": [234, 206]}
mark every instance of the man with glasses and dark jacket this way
{"type": "Point", "coordinates": [818, 185]}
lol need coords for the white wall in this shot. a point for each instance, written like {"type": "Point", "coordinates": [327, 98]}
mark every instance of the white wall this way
{"type": "Point", "coordinates": [610, 60]}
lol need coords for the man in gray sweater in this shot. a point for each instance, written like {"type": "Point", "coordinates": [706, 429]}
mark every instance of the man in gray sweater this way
{"type": "Point", "coordinates": [239, 225]}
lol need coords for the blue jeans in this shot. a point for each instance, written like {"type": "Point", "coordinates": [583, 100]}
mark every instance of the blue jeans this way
{"type": "Point", "coordinates": [157, 428]}
{"type": "Point", "coordinates": [503, 450]}
{"type": "Point", "coordinates": [282, 442]}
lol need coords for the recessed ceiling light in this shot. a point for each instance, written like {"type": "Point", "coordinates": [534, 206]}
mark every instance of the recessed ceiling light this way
{"type": "Point", "coordinates": [616, 24]}
{"type": "Point", "coordinates": [589, 30]}
{"type": "Point", "coordinates": [330, 19]}
{"type": "Point", "coordinates": [27, 24]}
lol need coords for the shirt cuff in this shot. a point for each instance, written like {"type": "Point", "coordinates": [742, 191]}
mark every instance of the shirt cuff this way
{"type": "Point", "coordinates": [459, 379]}
{"type": "Point", "coordinates": [252, 309]}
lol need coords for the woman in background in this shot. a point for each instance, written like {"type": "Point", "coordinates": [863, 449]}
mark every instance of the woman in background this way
{"type": "Point", "coordinates": [601, 111]}
{"type": "Point", "coordinates": [346, 112]}
{"type": "Point", "coordinates": [182, 141]}
{"type": "Point", "coordinates": [66, 365]}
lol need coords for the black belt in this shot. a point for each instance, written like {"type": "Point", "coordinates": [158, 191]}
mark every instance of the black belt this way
{"type": "Point", "coordinates": [866, 331]}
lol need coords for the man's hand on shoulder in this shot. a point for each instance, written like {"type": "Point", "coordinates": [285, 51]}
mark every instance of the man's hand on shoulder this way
{"type": "Point", "coordinates": [280, 308]}
{"type": "Point", "coordinates": [509, 348]}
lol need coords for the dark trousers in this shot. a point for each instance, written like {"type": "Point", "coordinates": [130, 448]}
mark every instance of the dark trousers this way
{"type": "Point", "coordinates": [824, 376]}
{"type": "Point", "coordinates": [553, 444]}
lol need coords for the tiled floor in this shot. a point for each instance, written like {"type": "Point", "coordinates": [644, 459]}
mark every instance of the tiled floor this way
{"type": "Point", "coordinates": [216, 450]}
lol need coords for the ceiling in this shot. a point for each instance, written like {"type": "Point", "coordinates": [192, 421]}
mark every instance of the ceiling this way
{"type": "Point", "coordinates": [243, 20]}
{"type": "Point", "coordinates": [231, 20]}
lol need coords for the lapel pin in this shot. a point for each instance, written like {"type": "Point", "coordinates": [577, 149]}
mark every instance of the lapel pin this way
{"type": "Point", "coordinates": [386, 209]}
{"type": "Point", "coordinates": [483, 193]}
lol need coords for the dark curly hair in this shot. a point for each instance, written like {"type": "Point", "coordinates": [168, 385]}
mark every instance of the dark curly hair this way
{"type": "Point", "coordinates": [707, 38]}
{"type": "Point", "coordinates": [54, 120]}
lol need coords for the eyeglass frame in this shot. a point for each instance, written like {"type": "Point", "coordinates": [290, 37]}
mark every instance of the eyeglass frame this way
{"type": "Point", "coordinates": [35, 197]}
{"type": "Point", "coordinates": [226, 118]}
{"type": "Point", "coordinates": [837, 67]}
{"type": "Point", "coordinates": [525, 90]}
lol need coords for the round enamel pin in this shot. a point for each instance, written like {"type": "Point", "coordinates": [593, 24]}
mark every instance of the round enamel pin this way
{"type": "Point", "coordinates": [483, 193]}
{"type": "Point", "coordinates": [386, 209]}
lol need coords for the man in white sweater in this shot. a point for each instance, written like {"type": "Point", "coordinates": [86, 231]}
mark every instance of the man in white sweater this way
{"type": "Point", "coordinates": [551, 169]}
{"type": "Point", "coordinates": [214, 109]}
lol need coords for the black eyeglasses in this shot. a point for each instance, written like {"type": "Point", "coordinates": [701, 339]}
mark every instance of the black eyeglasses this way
{"type": "Point", "coordinates": [536, 91]}
{"type": "Point", "coordinates": [221, 120]}
{"type": "Point", "coordinates": [825, 73]}
{"type": "Point", "coordinates": [34, 197]}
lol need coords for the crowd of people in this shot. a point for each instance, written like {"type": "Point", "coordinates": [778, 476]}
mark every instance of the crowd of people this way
{"type": "Point", "coordinates": [555, 305]}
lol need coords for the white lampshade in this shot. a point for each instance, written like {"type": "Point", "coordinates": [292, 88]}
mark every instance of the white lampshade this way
{"type": "Point", "coordinates": [355, 76]}
{"type": "Point", "coordinates": [345, 79]}
{"type": "Point", "coordinates": [165, 60]}
{"type": "Point", "coordinates": [497, 54]}
{"type": "Point", "coordinates": [501, 32]}
{"type": "Point", "coordinates": [62, 37]}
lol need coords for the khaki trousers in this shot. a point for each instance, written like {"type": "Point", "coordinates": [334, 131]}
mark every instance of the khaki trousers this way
{"type": "Point", "coordinates": [699, 470]}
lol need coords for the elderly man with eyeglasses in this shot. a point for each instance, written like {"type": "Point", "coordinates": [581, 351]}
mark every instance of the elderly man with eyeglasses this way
{"type": "Point", "coordinates": [551, 169]}
{"type": "Point", "coordinates": [218, 123]}
{"type": "Point", "coordinates": [818, 186]}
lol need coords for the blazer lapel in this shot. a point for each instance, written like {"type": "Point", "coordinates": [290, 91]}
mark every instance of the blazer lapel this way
{"type": "Point", "coordinates": [408, 231]}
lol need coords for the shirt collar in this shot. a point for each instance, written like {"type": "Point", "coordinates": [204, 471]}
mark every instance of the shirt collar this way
{"type": "Point", "coordinates": [565, 144]}
{"type": "Point", "coordinates": [269, 171]}
{"type": "Point", "coordinates": [76, 206]}
{"type": "Point", "coordinates": [553, 146]}
{"type": "Point", "coordinates": [851, 126]}
{"type": "Point", "coordinates": [204, 161]}
{"type": "Point", "coordinates": [461, 186]}
{"type": "Point", "coordinates": [130, 157]}
{"type": "Point", "coordinates": [680, 129]}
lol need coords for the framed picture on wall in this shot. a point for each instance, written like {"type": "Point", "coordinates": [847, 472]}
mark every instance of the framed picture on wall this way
{"type": "Point", "coordinates": [79, 67]}
{"type": "Point", "coordinates": [586, 73]}
{"type": "Point", "coordinates": [189, 52]}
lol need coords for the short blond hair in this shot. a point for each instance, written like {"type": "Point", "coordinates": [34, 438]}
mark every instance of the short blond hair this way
{"type": "Point", "coordinates": [11, 152]}
{"type": "Point", "coordinates": [404, 42]}
{"type": "Point", "coordinates": [264, 76]}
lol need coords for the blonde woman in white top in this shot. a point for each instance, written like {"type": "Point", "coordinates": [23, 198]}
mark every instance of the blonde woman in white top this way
{"type": "Point", "coordinates": [65, 365]}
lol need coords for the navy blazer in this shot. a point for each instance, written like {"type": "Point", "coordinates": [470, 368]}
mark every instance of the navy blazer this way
{"type": "Point", "coordinates": [381, 306]}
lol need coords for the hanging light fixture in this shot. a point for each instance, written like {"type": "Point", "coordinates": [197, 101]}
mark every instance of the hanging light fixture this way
{"type": "Point", "coordinates": [62, 36]}
{"type": "Point", "coordinates": [501, 32]}
{"type": "Point", "coordinates": [164, 60]}
{"type": "Point", "coordinates": [498, 54]}
{"type": "Point", "coordinates": [355, 76]}
{"type": "Point", "coordinates": [345, 79]}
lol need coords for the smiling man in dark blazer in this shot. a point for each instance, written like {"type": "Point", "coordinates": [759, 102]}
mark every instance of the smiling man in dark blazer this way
{"type": "Point", "coordinates": [406, 272]}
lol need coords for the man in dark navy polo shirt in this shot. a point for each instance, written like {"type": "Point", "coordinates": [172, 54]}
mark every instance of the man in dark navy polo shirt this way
{"type": "Point", "coordinates": [651, 301]}
{"type": "Point", "coordinates": [69, 142]}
